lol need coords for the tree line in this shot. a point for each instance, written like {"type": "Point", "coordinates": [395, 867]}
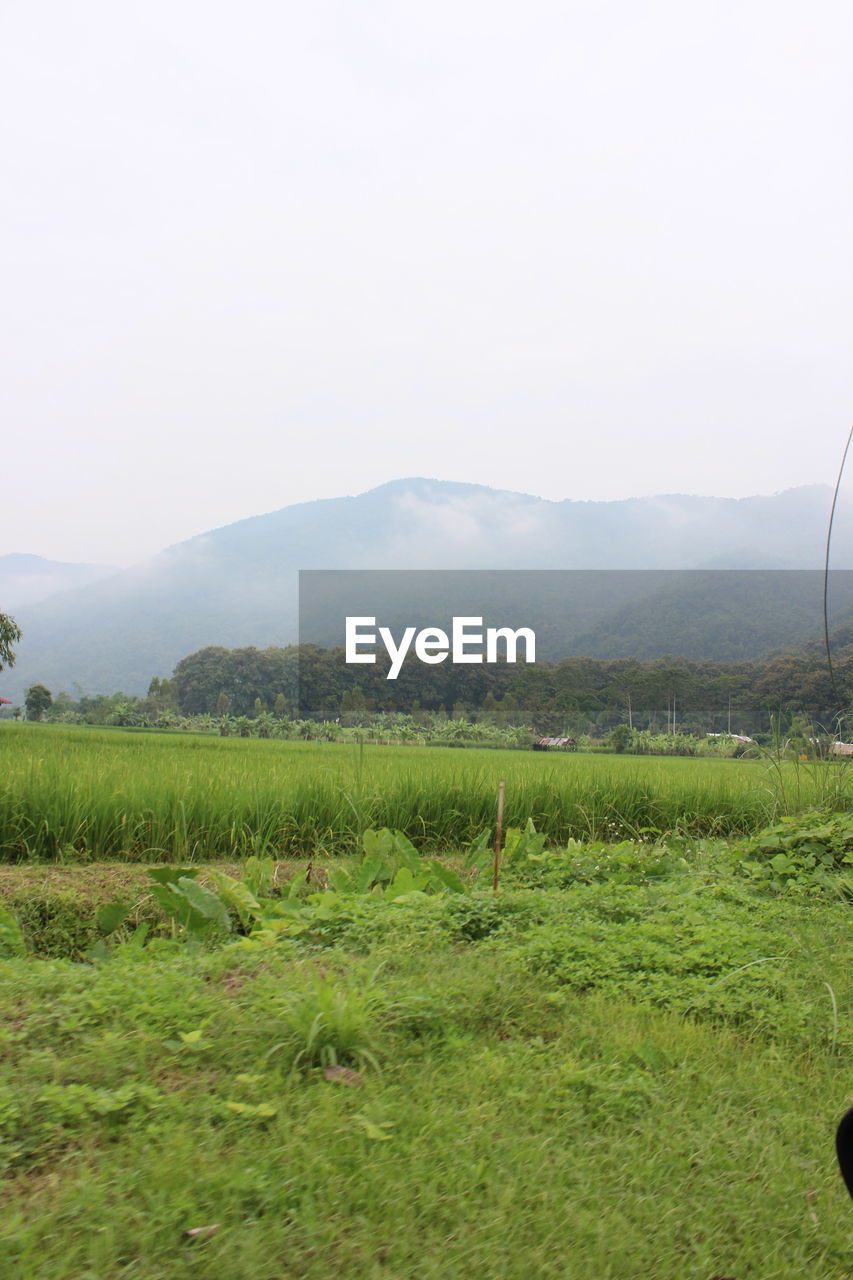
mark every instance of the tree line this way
{"type": "Point", "coordinates": [579, 695]}
{"type": "Point", "coordinates": [576, 695]}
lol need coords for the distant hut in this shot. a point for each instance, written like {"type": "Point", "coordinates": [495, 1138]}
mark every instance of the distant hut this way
{"type": "Point", "coordinates": [562, 744]}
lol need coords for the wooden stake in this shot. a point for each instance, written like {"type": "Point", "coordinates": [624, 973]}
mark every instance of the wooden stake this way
{"type": "Point", "coordinates": [496, 876]}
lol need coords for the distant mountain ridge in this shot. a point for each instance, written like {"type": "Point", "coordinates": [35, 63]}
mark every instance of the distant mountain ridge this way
{"type": "Point", "coordinates": [27, 580]}
{"type": "Point", "coordinates": [236, 585]}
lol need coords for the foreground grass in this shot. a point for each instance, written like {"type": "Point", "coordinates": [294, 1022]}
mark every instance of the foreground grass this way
{"type": "Point", "coordinates": [73, 794]}
{"type": "Point", "coordinates": [530, 1097]}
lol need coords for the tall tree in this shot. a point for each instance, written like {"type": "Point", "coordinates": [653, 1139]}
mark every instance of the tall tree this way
{"type": "Point", "coordinates": [10, 633]}
{"type": "Point", "coordinates": [37, 699]}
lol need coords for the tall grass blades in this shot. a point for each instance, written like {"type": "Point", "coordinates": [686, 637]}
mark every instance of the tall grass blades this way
{"type": "Point", "coordinates": [72, 794]}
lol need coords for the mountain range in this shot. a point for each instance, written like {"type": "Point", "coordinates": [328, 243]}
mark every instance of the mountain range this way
{"type": "Point", "coordinates": [237, 585]}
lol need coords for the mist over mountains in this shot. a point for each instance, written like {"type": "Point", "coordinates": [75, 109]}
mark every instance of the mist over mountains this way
{"type": "Point", "coordinates": [237, 585]}
{"type": "Point", "coordinates": [27, 580]}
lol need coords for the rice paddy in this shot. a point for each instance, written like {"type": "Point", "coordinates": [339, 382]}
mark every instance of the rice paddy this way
{"type": "Point", "coordinates": [70, 794]}
{"type": "Point", "coordinates": [607, 1075]}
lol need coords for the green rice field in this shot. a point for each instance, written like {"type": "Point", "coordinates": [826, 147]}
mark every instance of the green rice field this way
{"type": "Point", "coordinates": [628, 1061]}
{"type": "Point", "coordinates": [70, 794]}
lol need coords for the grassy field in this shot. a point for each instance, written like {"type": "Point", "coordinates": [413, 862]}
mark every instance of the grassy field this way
{"type": "Point", "coordinates": [591, 1082]}
{"type": "Point", "coordinates": [629, 1062]}
{"type": "Point", "coordinates": [70, 794]}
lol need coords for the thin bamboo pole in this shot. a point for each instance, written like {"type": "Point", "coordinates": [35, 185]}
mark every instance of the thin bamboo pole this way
{"type": "Point", "coordinates": [497, 871]}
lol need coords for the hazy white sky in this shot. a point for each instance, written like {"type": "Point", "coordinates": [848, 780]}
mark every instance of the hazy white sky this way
{"type": "Point", "coordinates": [259, 253]}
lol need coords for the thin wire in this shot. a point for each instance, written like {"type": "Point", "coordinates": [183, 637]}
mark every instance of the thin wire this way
{"type": "Point", "coordinates": [826, 567]}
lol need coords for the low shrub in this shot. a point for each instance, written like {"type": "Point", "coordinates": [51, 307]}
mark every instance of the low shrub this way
{"type": "Point", "coordinates": [805, 853]}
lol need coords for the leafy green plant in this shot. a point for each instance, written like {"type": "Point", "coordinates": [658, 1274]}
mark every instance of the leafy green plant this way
{"type": "Point", "coordinates": [522, 843]}
{"type": "Point", "coordinates": [692, 958]}
{"type": "Point", "coordinates": [111, 917]}
{"type": "Point", "coordinates": [392, 867]}
{"type": "Point", "coordinates": [72, 1105]}
{"type": "Point", "coordinates": [807, 851]}
{"type": "Point", "coordinates": [197, 910]}
{"type": "Point", "coordinates": [332, 1023]}
{"type": "Point", "coordinates": [479, 852]}
{"type": "Point", "coordinates": [519, 845]}
{"type": "Point", "coordinates": [259, 875]}
{"type": "Point", "coordinates": [109, 920]}
{"type": "Point", "coordinates": [597, 861]}
{"type": "Point", "coordinates": [237, 895]}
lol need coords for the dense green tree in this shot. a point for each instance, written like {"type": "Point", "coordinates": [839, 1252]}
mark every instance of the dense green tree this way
{"type": "Point", "coordinates": [10, 634]}
{"type": "Point", "coordinates": [102, 708]}
{"type": "Point", "coordinates": [63, 708]}
{"type": "Point", "coordinates": [354, 709]}
{"type": "Point", "coordinates": [37, 700]}
{"type": "Point", "coordinates": [200, 677]}
{"type": "Point", "coordinates": [510, 710]}
{"type": "Point", "coordinates": [489, 711]}
{"type": "Point", "coordinates": [162, 697]}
